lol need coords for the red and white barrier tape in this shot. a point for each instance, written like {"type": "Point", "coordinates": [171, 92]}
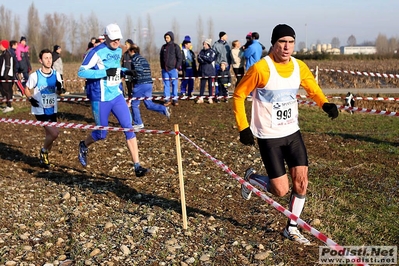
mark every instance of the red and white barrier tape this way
{"type": "Point", "coordinates": [366, 98]}
{"type": "Point", "coordinates": [81, 99]}
{"type": "Point", "coordinates": [61, 99]}
{"type": "Point", "coordinates": [329, 242]}
{"type": "Point", "coordinates": [178, 78]}
{"type": "Point", "coordinates": [83, 126]}
{"type": "Point", "coordinates": [357, 109]}
{"type": "Point", "coordinates": [301, 96]}
{"type": "Point", "coordinates": [352, 72]}
{"type": "Point", "coordinates": [360, 73]}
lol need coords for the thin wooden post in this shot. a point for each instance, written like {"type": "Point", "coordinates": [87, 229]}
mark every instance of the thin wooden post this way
{"type": "Point", "coordinates": [181, 180]}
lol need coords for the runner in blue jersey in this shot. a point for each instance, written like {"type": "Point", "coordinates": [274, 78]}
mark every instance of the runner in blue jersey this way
{"type": "Point", "coordinates": [41, 89]}
{"type": "Point", "coordinates": [102, 70]}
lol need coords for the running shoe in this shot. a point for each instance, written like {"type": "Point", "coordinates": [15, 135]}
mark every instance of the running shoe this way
{"type": "Point", "coordinates": [44, 158]}
{"type": "Point", "coordinates": [293, 234]}
{"type": "Point", "coordinates": [168, 112]}
{"type": "Point", "coordinates": [83, 153]}
{"type": "Point", "coordinates": [141, 171]}
{"type": "Point", "coordinates": [8, 109]}
{"type": "Point", "coordinates": [200, 100]}
{"type": "Point", "coordinates": [138, 126]}
{"type": "Point", "coordinates": [246, 192]}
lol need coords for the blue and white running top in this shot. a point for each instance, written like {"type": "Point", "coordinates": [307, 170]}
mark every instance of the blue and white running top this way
{"type": "Point", "coordinates": [45, 91]}
{"type": "Point", "coordinates": [99, 87]}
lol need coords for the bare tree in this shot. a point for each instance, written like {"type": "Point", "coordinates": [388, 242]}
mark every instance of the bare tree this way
{"type": "Point", "coordinates": [83, 33]}
{"type": "Point", "coordinates": [335, 43]}
{"type": "Point", "coordinates": [88, 27]}
{"type": "Point", "coordinates": [381, 44]}
{"type": "Point", "coordinates": [54, 29]}
{"type": "Point", "coordinates": [176, 30]}
{"type": "Point", "coordinates": [75, 43]}
{"type": "Point", "coordinates": [150, 47]}
{"type": "Point", "coordinates": [128, 30]}
{"type": "Point", "coordinates": [392, 45]}
{"type": "Point", "coordinates": [16, 32]}
{"type": "Point", "coordinates": [351, 40]}
{"type": "Point", "coordinates": [33, 32]}
{"type": "Point", "coordinates": [301, 46]}
{"type": "Point", "coordinates": [93, 26]}
{"type": "Point", "coordinates": [200, 33]}
{"type": "Point", "coordinates": [5, 25]}
{"type": "Point", "coordinates": [140, 38]}
{"type": "Point", "coordinates": [210, 28]}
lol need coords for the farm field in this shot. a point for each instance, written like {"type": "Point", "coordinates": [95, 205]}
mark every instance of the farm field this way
{"type": "Point", "coordinates": [104, 215]}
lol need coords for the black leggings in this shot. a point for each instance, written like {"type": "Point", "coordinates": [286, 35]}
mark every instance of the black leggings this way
{"type": "Point", "coordinates": [290, 149]}
{"type": "Point", "coordinates": [129, 87]}
{"type": "Point", "coordinates": [239, 73]}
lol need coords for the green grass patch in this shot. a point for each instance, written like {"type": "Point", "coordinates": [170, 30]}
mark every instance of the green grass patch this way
{"type": "Point", "coordinates": [353, 176]}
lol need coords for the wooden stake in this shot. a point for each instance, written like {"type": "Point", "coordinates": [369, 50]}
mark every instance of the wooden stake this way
{"type": "Point", "coordinates": [181, 180]}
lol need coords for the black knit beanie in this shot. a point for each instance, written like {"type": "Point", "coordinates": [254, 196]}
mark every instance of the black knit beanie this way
{"type": "Point", "coordinates": [221, 34]}
{"type": "Point", "coordinates": [280, 31]}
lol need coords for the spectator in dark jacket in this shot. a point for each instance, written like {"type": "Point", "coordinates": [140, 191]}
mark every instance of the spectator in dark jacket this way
{"type": "Point", "coordinates": [7, 74]}
{"type": "Point", "coordinates": [13, 49]}
{"type": "Point", "coordinates": [189, 68]}
{"type": "Point", "coordinates": [170, 58]}
{"type": "Point", "coordinates": [127, 63]}
{"type": "Point", "coordinates": [224, 81]}
{"type": "Point", "coordinates": [206, 60]}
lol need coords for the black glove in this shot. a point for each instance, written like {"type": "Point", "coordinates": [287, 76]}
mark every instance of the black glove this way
{"type": "Point", "coordinates": [132, 73]}
{"type": "Point", "coordinates": [246, 137]}
{"type": "Point", "coordinates": [33, 102]}
{"type": "Point", "coordinates": [331, 109]}
{"type": "Point", "coordinates": [60, 89]}
{"type": "Point", "coordinates": [111, 71]}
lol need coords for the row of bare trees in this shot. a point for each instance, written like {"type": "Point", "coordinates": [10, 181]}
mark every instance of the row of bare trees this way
{"type": "Point", "coordinates": [74, 34]}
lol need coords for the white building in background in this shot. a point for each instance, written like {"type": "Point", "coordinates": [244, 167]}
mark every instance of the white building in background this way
{"type": "Point", "coordinates": [322, 48]}
{"type": "Point", "coordinates": [327, 48]}
{"type": "Point", "coordinates": [358, 50]}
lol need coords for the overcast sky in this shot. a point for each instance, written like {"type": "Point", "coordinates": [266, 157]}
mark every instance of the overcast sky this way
{"type": "Point", "coordinates": [312, 20]}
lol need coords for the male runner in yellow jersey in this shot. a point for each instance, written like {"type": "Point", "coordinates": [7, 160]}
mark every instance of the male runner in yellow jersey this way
{"type": "Point", "coordinates": [274, 82]}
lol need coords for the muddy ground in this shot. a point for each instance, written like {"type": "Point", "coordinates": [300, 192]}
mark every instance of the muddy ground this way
{"type": "Point", "coordinates": [103, 213]}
